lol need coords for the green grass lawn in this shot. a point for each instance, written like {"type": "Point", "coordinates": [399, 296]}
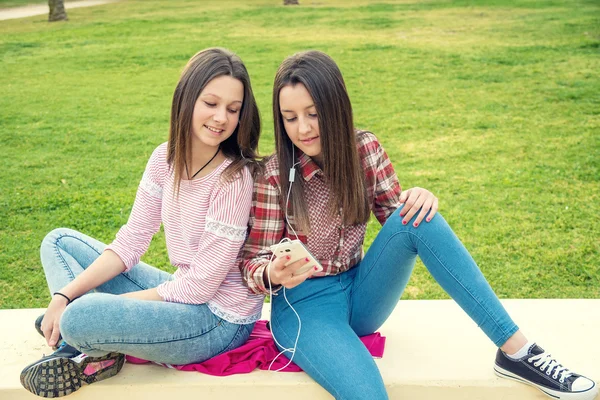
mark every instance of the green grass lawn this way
{"type": "Point", "coordinates": [492, 105]}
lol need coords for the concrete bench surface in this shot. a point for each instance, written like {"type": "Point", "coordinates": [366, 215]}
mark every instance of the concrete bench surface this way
{"type": "Point", "coordinates": [434, 351]}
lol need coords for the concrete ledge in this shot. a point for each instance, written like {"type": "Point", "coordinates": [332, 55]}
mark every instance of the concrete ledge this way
{"type": "Point", "coordinates": [434, 351]}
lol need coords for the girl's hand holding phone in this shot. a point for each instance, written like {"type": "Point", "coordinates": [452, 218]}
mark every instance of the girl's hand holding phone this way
{"type": "Point", "coordinates": [285, 276]}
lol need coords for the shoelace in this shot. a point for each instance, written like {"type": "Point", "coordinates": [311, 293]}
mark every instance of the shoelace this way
{"type": "Point", "coordinates": [548, 364]}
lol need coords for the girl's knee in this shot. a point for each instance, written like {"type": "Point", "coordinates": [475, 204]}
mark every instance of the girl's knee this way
{"type": "Point", "coordinates": [397, 219]}
{"type": "Point", "coordinates": [70, 320]}
{"type": "Point", "coordinates": [76, 322]}
{"type": "Point", "coordinates": [56, 234]}
{"type": "Point", "coordinates": [51, 239]}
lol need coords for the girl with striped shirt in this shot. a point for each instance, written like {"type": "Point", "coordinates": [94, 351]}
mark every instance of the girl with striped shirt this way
{"type": "Point", "coordinates": [199, 186]}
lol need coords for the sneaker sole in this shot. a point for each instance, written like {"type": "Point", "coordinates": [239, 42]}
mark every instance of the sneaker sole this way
{"type": "Point", "coordinates": [589, 394]}
{"type": "Point", "coordinates": [59, 377]}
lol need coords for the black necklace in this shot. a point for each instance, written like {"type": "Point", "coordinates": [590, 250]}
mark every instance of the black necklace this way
{"type": "Point", "coordinates": [204, 166]}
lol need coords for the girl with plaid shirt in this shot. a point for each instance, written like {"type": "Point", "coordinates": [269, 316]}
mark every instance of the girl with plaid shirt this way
{"type": "Point", "coordinates": [320, 187]}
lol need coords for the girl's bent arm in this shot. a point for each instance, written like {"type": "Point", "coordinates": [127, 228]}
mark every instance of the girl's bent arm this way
{"type": "Point", "coordinates": [103, 269]}
{"type": "Point", "coordinates": [387, 192]}
{"type": "Point", "coordinates": [386, 196]}
{"type": "Point", "coordinates": [267, 227]}
{"type": "Point", "coordinates": [144, 221]}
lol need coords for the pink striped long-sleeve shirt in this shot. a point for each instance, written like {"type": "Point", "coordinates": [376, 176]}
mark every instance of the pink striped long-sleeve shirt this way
{"type": "Point", "coordinates": [205, 227]}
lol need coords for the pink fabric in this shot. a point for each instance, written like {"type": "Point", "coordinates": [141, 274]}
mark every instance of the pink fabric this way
{"type": "Point", "coordinates": [258, 352]}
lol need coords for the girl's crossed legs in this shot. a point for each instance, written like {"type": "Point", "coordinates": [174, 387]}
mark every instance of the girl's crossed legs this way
{"type": "Point", "coordinates": [103, 322]}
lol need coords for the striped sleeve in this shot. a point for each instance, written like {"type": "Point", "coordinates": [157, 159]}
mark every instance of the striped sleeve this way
{"type": "Point", "coordinates": [133, 238]}
{"type": "Point", "coordinates": [266, 228]}
{"type": "Point", "coordinates": [219, 246]}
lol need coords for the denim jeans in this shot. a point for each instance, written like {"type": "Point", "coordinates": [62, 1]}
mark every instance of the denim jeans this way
{"type": "Point", "coordinates": [336, 310]}
{"type": "Point", "coordinates": [101, 322]}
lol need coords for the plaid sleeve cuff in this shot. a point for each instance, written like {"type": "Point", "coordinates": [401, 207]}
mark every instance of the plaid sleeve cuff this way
{"type": "Point", "coordinates": [256, 283]}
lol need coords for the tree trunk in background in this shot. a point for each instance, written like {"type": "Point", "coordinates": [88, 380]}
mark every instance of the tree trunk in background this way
{"type": "Point", "coordinates": [290, 2]}
{"type": "Point", "coordinates": [57, 10]}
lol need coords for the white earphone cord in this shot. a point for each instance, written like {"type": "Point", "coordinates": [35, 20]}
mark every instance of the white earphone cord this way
{"type": "Point", "coordinates": [292, 175]}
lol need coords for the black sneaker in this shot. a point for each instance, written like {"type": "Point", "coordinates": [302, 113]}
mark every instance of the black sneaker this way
{"type": "Point", "coordinates": [540, 370]}
{"type": "Point", "coordinates": [38, 327]}
{"type": "Point", "coordinates": [66, 370]}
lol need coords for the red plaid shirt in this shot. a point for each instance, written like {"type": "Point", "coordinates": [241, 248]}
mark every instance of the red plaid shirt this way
{"type": "Point", "coordinates": [338, 247]}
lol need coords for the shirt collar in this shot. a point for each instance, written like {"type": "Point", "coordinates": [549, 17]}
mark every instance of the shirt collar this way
{"type": "Point", "coordinates": [308, 168]}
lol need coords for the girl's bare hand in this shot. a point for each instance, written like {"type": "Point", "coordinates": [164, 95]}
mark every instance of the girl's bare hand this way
{"type": "Point", "coordinates": [50, 323]}
{"type": "Point", "coordinates": [286, 276]}
{"type": "Point", "coordinates": [418, 200]}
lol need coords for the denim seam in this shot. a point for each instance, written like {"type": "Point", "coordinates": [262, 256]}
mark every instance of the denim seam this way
{"type": "Point", "coordinates": [126, 275]}
{"type": "Point", "coordinates": [443, 265]}
{"type": "Point", "coordinates": [233, 339]}
{"type": "Point", "coordinates": [143, 287]}
{"type": "Point", "coordinates": [348, 301]}
{"type": "Point", "coordinates": [56, 249]}
{"type": "Point", "coordinates": [276, 320]}
{"type": "Point", "coordinates": [90, 344]}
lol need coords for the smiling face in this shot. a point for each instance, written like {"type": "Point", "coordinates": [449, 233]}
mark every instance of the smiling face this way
{"type": "Point", "coordinates": [300, 119]}
{"type": "Point", "coordinates": [217, 111]}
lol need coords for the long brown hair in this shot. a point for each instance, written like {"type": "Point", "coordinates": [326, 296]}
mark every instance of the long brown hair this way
{"type": "Point", "coordinates": [241, 146]}
{"type": "Point", "coordinates": [341, 165]}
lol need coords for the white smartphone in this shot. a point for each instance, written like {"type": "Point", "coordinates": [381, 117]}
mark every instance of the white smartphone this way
{"type": "Point", "coordinates": [296, 250]}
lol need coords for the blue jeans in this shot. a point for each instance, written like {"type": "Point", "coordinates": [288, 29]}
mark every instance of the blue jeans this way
{"type": "Point", "coordinates": [101, 322]}
{"type": "Point", "coordinates": [336, 310]}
